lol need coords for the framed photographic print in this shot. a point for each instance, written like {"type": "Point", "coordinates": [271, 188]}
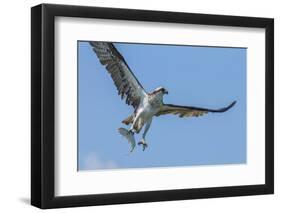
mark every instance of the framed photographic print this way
{"type": "Point", "coordinates": [140, 106]}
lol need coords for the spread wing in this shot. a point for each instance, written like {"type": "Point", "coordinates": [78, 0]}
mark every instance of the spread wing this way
{"type": "Point", "coordinates": [188, 111]}
{"type": "Point", "coordinates": [126, 82]}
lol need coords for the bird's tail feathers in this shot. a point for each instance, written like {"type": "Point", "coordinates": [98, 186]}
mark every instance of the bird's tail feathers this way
{"type": "Point", "coordinates": [128, 120]}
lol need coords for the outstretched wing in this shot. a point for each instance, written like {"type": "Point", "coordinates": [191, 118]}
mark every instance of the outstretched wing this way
{"type": "Point", "coordinates": [126, 82]}
{"type": "Point", "coordinates": [188, 111]}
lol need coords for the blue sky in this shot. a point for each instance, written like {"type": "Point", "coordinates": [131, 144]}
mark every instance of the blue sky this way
{"type": "Point", "coordinates": [210, 77]}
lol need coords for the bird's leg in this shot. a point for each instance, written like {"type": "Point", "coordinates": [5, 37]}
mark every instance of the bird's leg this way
{"type": "Point", "coordinates": [131, 129]}
{"type": "Point", "coordinates": [142, 142]}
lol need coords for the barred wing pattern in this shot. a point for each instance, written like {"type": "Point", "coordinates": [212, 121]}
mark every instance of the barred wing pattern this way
{"type": "Point", "coordinates": [127, 84]}
{"type": "Point", "coordinates": [189, 111]}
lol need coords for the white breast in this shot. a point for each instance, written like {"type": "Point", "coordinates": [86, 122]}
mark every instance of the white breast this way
{"type": "Point", "coordinates": [150, 106]}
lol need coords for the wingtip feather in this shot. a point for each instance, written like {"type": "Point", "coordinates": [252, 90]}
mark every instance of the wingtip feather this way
{"type": "Point", "coordinates": [229, 106]}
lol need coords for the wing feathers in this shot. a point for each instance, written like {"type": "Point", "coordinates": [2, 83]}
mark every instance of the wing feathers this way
{"type": "Point", "coordinates": [189, 111]}
{"type": "Point", "coordinates": [127, 84]}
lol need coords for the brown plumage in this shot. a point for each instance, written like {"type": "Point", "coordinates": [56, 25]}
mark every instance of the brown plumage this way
{"type": "Point", "coordinates": [128, 120]}
{"type": "Point", "coordinates": [189, 111]}
{"type": "Point", "coordinates": [125, 81]}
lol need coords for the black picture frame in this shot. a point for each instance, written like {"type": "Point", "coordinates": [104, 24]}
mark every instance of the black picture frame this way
{"type": "Point", "coordinates": [43, 101]}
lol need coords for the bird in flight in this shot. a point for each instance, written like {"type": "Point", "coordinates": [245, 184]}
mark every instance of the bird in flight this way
{"type": "Point", "coordinates": [146, 104]}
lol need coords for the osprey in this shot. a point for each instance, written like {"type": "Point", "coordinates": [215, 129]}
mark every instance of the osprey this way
{"type": "Point", "coordinates": [146, 105]}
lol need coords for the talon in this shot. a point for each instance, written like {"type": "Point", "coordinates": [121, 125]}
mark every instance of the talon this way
{"type": "Point", "coordinates": [144, 145]}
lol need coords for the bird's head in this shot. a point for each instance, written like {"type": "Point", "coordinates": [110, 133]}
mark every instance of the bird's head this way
{"type": "Point", "coordinates": [160, 89]}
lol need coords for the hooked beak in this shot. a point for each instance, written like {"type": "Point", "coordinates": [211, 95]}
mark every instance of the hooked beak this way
{"type": "Point", "coordinates": [166, 92]}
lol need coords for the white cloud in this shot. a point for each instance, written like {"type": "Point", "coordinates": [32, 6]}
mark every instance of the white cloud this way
{"type": "Point", "coordinates": [93, 162]}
